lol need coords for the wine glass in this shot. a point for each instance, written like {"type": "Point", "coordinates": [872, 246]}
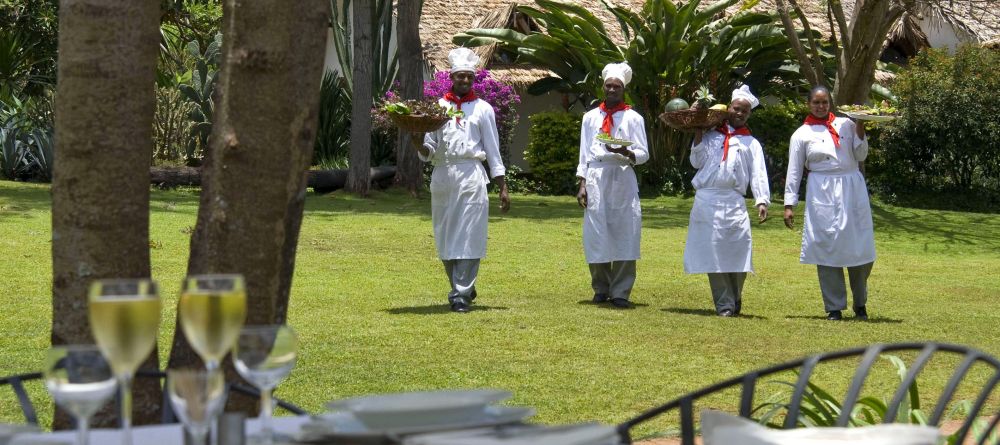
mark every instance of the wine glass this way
{"type": "Point", "coordinates": [212, 309]}
{"type": "Point", "coordinates": [264, 355]}
{"type": "Point", "coordinates": [80, 381]}
{"type": "Point", "coordinates": [197, 397]}
{"type": "Point", "coordinates": [125, 321]}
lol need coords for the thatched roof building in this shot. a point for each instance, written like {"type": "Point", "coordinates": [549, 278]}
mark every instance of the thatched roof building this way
{"type": "Point", "coordinates": [971, 20]}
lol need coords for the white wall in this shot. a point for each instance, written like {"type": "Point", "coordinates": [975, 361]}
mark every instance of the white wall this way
{"type": "Point", "coordinates": [941, 34]}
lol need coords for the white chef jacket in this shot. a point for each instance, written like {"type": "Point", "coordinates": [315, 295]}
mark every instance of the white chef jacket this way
{"type": "Point", "coordinates": [718, 239]}
{"type": "Point", "coordinates": [837, 230]}
{"type": "Point", "coordinates": [612, 222]}
{"type": "Point", "coordinates": [459, 202]}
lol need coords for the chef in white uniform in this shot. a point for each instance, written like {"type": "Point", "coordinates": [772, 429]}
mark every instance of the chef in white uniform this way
{"type": "Point", "coordinates": [837, 232]}
{"type": "Point", "coordinates": [609, 192]}
{"type": "Point", "coordinates": [728, 160]}
{"type": "Point", "coordinates": [459, 202]}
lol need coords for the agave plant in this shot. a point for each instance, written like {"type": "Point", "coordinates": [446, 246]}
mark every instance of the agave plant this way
{"type": "Point", "coordinates": [199, 92]}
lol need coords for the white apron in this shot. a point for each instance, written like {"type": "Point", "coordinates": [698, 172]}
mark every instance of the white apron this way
{"type": "Point", "coordinates": [613, 220]}
{"type": "Point", "coordinates": [459, 202]}
{"type": "Point", "coordinates": [837, 230]}
{"type": "Point", "coordinates": [718, 239]}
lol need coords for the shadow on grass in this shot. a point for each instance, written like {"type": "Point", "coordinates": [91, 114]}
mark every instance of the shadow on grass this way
{"type": "Point", "coordinates": [607, 305]}
{"type": "Point", "coordinates": [707, 313]}
{"type": "Point", "coordinates": [846, 319]}
{"type": "Point", "coordinates": [439, 309]}
{"type": "Point", "coordinates": [931, 227]}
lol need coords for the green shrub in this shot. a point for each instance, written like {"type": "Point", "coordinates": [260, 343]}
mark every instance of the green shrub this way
{"type": "Point", "coordinates": [945, 137]}
{"type": "Point", "coordinates": [773, 126]}
{"type": "Point", "coordinates": [554, 150]}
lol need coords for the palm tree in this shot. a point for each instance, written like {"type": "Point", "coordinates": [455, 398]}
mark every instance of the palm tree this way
{"type": "Point", "coordinates": [411, 76]}
{"type": "Point", "coordinates": [359, 175]}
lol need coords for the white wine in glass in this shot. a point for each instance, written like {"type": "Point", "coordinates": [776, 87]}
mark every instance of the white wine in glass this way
{"type": "Point", "coordinates": [264, 355]}
{"type": "Point", "coordinates": [80, 381]}
{"type": "Point", "coordinates": [212, 310]}
{"type": "Point", "coordinates": [125, 321]}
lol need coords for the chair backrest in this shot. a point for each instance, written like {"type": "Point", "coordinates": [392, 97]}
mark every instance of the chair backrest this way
{"type": "Point", "coordinates": [747, 385]}
{"type": "Point", "coordinates": [16, 383]}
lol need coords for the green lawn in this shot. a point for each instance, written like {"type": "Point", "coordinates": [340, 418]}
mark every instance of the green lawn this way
{"type": "Point", "coordinates": [368, 301]}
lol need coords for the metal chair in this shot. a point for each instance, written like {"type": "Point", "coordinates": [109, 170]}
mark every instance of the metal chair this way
{"type": "Point", "coordinates": [869, 354]}
{"type": "Point", "coordinates": [16, 383]}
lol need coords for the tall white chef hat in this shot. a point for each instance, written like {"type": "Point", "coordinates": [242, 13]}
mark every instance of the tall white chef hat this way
{"type": "Point", "coordinates": [463, 59]}
{"type": "Point", "coordinates": [743, 92]}
{"type": "Point", "coordinates": [620, 71]}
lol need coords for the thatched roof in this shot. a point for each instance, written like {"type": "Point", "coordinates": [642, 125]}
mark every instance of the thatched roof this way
{"type": "Point", "coordinates": [442, 19]}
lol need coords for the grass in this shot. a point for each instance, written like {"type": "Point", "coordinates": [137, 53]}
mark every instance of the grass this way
{"type": "Point", "coordinates": [368, 302]}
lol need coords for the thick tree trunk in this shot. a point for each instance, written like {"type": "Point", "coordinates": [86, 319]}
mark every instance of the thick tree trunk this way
{"type": "Point", "coordinates": [253, 178]}
{"type": "Point", "coordinates": [361, 100]}
{"type": "Point", "coordinates": [411, 76]}
{"type": "Point", "coordinates": [100, 188]}
{"type": "Point", "coordinates": [870, 25]}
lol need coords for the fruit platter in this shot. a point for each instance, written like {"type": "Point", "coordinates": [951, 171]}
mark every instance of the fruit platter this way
{"type": "Point", "coordinates": [881, 113]}
{"type": "Point", "coordinates": [418, 116]}
{"type": "Point", "coordinates": [680, 115]}
{"type": "Point", "coordinates": [606, 139]}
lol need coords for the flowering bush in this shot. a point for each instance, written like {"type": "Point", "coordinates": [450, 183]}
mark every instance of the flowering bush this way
{"type": "Point", "coordinates": [498, 94]}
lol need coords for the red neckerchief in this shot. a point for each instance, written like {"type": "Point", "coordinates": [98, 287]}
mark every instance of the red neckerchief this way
{"type": "Point", "coordinates": [458, 101]}
{"type": "Point", "coordinates": [609, 123]}
{"type": "Point", "coordinates": [828, 123]}
{"type": "Point", "coordinates": [724, 129]}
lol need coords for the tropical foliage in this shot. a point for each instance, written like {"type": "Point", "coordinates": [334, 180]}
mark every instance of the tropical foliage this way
{"type": "Point", "coordinates": [674, 49]}
{"type": "Point", "coordinates": [819, 408]}
{"type": "Point", "coordinates": [945, 137]}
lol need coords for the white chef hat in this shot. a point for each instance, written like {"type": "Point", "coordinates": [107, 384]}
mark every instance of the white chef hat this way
{"type": "Point", "coordinates": [743, 92]}
{"type": "Point", "coordinates": [620, 71]}
{"type": "Point", "coordinates": [463, 59]}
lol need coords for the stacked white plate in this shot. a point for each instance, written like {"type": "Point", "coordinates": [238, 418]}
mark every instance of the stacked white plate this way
{"type": "Point", "coordinates": [393, 415]}
{"type": "Point", "coordinates": [581, 434]}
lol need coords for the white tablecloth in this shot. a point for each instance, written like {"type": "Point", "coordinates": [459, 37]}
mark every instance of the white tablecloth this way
{"type": "Point", "coordinates": [170, 434]}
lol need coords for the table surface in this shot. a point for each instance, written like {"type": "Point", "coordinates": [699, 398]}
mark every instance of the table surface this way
{"type": "Point", "coordinates": [169, 434]}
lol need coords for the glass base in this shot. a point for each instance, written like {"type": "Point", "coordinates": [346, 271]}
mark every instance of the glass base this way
{"type": "Point", "coordinates": [278, 439]}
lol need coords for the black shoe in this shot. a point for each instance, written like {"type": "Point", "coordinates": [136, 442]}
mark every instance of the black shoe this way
{"type": "Point", "coordinates": [834, 315]}
{"type": "Point", "coordinates": [472, 297]}
{"type": "Point", "coordinates": [739, 307]}
{"type": "Point", "coordinates": [620, 303]}
{"type": "Point", "coordinates": [599, 298]}
{"type": "Point", "coordinates": [860, 313]}
{"type": "Point", "coordinates": [458, 304]}
{"type": "Point", "coordinates": [727, 313]}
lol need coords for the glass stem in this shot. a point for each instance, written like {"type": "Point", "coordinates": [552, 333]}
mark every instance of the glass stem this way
{"type": "Point", "coordinates": [82, 429]}
{"type": "Point", "coordinates": [266, 407]}
{"type": "Point", "coordinates": [126, 393]}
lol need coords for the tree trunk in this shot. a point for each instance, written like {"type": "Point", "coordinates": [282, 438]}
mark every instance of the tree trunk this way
{"type": "Point", "coordinates": [254, 175]}
{"type": "Point", "coordinates": [870, 25]}
{"type": "Point", "coordinates": [409, 172]}
{"type": "Point", "coordinates": [361, 101]}
{"type": "Point", "coordinates": [100, 189]}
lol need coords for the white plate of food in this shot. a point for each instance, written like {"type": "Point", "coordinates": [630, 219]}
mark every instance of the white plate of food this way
{"type": "Point", "coordinates": [864, 116]}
